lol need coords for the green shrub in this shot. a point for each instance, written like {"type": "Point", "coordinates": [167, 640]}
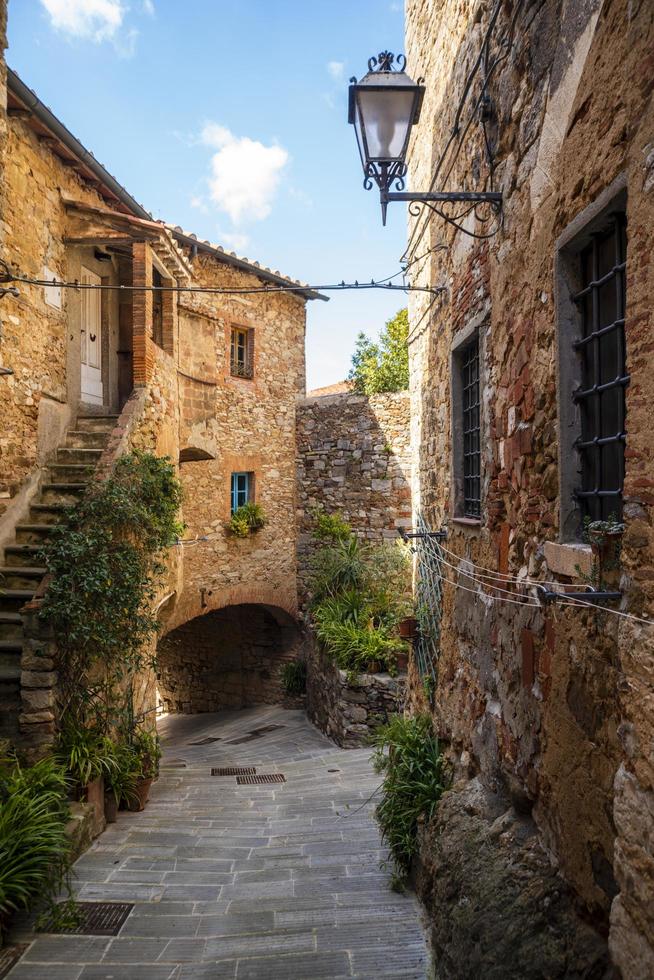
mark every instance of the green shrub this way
{"type": "Point", "coordinates": [247, 519]}
{"type": "Point", "coordinates": [359, 594]}
{"type": "Point", "coordinates": [415, 776]}
{"type": "Point", "coordinates": [294, 677]}
{"type": "Point", "coordinates": [85, 753]}
{"type": "Point", "coordinates": [34, 847]}
{"type": "Point", "coordinates": [330, 527]}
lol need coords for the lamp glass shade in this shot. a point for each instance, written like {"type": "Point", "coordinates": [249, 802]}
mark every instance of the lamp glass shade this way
{"type": "Point", "coordinates": [383, 122]}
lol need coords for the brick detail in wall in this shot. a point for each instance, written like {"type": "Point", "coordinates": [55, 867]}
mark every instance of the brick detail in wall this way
{"type": "Point", "coordinates": [143, 363]}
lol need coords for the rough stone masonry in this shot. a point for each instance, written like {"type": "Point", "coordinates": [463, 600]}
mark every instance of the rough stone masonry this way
{"type": "Point", "coordinates": [551, 706]}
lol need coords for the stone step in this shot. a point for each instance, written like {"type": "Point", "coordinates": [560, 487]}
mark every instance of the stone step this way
{"type": "Point", "coordinates": [9, 650]}
{"type": "Point", "coordinates": [80, 439]}
{"type": "Point", "coordinates": [10, 671]}
{"type": "Point", "coordinates": [11, 626]}
{"type": "Point", "coordinates": [95, 423]}
{"type": "Point", "coordinates": [79, 454]}
{"type": "Point", "coordinates": [62, 493]}
{"type": "Point", "coordinates": [47, 513]}
{"type": "Point", "coordinates": [13, 576]}
{"type": "Point", "coordinates": [72, 472]}
{"type": "Point", "coordinates": [13, 599]}
{"type": "Point", "coordinates": [24, 555]}
{"type": "Point", "coordinates": [33, 533]}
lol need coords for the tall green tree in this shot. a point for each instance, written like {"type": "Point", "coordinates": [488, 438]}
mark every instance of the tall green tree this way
{"type": "Point", "coordinates": [383, 365]}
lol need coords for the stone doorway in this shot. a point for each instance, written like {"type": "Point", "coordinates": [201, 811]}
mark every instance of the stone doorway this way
{"type": "Point", "coordinates": [229, 658]}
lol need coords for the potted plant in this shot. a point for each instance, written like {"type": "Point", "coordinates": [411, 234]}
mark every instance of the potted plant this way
{"type": "Point", "coordinates": [146, 748]}
{"type": "Point", "coordinates": [605, 539]}
{"type": "Point", "coordinates": [408, 628]}
{"type": "Point", "coordinates": [89, 757]}
{"type": "Point", "coordinates": [120, 783]}
{"type": "Point", "coordinates": [246, 519]}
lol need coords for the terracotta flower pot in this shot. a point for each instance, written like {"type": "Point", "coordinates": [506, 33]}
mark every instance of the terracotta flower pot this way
{"type": "Point", "coordinates": [374, 667]}
{"type": "Point", "coordinates": [402, 660]}
{"type": "Point", "coordinates": [142, 794]}
{"type": "Point", "coordinates": [408, 627]}
{"type": "Point", "coordinates": [110, 808]}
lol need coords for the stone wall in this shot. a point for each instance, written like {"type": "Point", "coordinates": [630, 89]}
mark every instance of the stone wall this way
{"type": "Point", "coordinates": [552, 704]}
{"type": "Point", "coordinates": [354, 459]}
{"type": "Point", "coordinates": [230, 658]}
{"type": "Point", "coordinates": [349, 713]}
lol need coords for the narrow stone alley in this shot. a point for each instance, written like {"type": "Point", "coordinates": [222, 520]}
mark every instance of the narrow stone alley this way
{"type": "Point", "coordinates": [229, 881]}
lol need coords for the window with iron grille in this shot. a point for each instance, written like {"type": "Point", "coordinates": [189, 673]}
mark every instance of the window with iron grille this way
{"type": "Point", "coordinates": [241, 361]}
{"type": "Point", "coordinates": [601, 349]}
{"type": "Point", "coordinates": [242, 485]}
{"type": "Point", "coordinates": [471, 428]}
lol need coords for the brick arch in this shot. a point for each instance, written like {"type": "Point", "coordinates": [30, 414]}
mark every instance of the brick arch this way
{"type": "Point", "coordinates": [256, 594]}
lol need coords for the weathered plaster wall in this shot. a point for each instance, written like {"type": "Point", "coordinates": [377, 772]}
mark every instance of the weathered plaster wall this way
{"type": "Point", "coordinates": [229, 658]}
{"type": "Point", "coordinates": [554, 705]}
{"type": "Point", "coordinates": [354, 459]}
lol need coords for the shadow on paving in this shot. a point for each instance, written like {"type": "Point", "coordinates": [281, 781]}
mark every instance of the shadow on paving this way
{"type": "Point", "coordinates": [274, 881]}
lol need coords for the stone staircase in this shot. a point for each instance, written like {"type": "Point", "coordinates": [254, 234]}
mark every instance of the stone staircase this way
{"type": "Point", "coordinates": [20, 571]}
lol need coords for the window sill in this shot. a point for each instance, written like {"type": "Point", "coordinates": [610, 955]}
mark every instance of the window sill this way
{"type": "Point", "coordinates": [472, 523]}
{"type": "Point", "coordinates": [568, 560]}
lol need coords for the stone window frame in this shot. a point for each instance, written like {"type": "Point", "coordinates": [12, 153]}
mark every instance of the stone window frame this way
{"type": "Point", "coordinates": [250, 357]}
{"type": "Point", "coordinates": [478, 327]}
{"type": "Point", "coordinates": [568, 375]}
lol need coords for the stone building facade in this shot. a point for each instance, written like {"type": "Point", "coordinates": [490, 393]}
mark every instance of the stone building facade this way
{"type": "Point", "coordinates": [210, 379]}
{"type": "Point", "coordinates": [551, 705]}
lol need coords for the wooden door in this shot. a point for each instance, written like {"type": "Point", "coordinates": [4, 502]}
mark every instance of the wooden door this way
{"type": "Point", "coordinates": [91, 340]}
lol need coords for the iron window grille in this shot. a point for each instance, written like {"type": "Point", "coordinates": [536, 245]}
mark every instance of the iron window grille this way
{"type": "Point", "coordinates": [469, 362]}
{"type": "Point", "coordinates": [241, 361]}
{"type": "Point", "coordinates": [604, 377]}
{"type": "Point", "coordinates": [241, 489]}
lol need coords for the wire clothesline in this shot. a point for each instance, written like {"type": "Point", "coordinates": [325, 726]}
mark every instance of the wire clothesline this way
{"type": "Point", "coordinates": [532, 601]}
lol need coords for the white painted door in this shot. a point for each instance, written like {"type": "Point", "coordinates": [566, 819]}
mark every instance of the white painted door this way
{"type": "Point", "coordinates": [91, 340]}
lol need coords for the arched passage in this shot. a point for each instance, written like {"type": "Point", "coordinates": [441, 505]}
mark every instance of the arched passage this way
{"type": "Point", "coordinates": [228, 658]}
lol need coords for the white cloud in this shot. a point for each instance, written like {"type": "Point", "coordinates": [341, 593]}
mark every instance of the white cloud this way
{"type": "Point", "coordinates": [94, 20]}
{"type": "Point", "coordinates": [244, 175]}
{"type": "Point", "coordinates": [234, 240]}
{"type": "Point", "coordinates": [336, 69]}
{"type": "Point", "coordinates": [148, 7]}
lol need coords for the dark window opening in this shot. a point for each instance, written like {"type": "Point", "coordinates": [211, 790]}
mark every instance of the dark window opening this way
{"type": "Point", "coordinates": [241, 361]}
{"type": "Point", "coordinates": [469, 362]}
{"type": "Point", "coordinates": [601, 394]}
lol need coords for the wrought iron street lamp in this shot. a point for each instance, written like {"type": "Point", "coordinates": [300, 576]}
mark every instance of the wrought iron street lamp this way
{"type": "Point", "coordinates": [383, 107]}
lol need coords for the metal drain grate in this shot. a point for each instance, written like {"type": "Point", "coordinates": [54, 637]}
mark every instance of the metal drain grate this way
{"type": "Point", "coordinates": [8, 957]}
{"type": "Point", "coordinates": [266, 777]}
{"type": "Point", "coordinates": [234, 771]}
{"type": "Point", "coordinates": [95, 919]}
{"type": "Point", "coordinates": [207, 741]}
{"type": "Point", "coordinates": [255, 733]}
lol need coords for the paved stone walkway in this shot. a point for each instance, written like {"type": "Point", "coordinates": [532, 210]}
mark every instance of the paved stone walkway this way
{"type": "Point", "coordinates": [275, 882]}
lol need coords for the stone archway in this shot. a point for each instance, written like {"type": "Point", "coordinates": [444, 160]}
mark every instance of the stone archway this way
{"type": "Point", "coordinates": [228, 658]}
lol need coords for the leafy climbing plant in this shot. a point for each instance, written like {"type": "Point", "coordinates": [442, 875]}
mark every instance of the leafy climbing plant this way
{"type": "Point", "coordinates": [104, 561]}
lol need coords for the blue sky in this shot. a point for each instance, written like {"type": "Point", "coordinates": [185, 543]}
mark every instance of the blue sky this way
{"type": "Point", "coordinates": [230, 119]}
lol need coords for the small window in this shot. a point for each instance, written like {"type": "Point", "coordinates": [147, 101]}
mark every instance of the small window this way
{"type": "Point", "coordinates": [601, 349]}
{"type": "Point", "coordinates": [241, 361]}
{"type": "Point", "coordinates": [471, 428]}
{"type": "Point", "coordinates": [242, 486]}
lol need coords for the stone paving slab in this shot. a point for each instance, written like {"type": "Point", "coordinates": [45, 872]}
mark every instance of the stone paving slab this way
{"type": "Point", "coordinates": [276, 882]}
